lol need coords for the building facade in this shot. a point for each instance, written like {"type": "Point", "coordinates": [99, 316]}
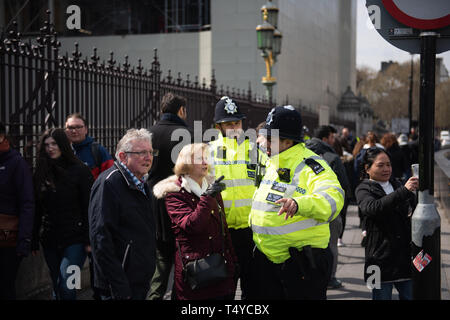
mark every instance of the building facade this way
{"type": "Point", "coordinates": [316, 65]}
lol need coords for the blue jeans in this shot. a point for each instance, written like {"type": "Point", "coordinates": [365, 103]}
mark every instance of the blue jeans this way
{"type": "Point", "coordinates": [58, 260]}
{"type": "Point", "coordinates": [404, 289]}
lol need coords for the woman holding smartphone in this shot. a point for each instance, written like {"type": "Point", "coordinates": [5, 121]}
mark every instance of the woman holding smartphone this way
{"type": "Point", "coordinates": [387, 206]}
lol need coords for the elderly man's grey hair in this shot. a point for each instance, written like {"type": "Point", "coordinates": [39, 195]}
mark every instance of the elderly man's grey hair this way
{"type": "Point", "coordinates": [124, 144]}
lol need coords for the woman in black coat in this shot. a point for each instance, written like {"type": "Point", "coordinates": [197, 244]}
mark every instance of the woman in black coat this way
{"type": "Point", "coordinates": [62, 187]}
{"type": "Point", "coordinates": [386, 206]}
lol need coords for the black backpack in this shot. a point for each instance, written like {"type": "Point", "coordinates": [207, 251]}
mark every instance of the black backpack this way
{"type": "Point", "coordinates": [95, 149]}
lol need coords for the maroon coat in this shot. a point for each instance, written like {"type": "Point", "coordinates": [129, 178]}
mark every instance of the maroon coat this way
{"type": "Point", "coordinates": [196, 226]}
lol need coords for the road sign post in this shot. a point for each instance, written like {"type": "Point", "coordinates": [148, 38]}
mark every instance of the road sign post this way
{"type": "Point", "coordinates": [426, 222]}
{"type": "Point", "coordinates": [421, 27]}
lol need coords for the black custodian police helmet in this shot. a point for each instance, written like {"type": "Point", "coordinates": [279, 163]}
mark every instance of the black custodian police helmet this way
{"type": "Point", "coordinates": [227, 110]}
{"type": "Point", "coordinates": [287, 120]}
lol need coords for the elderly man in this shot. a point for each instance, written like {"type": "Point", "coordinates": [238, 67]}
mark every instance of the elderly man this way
{"type": "Point", "coordinates": [121, 225]}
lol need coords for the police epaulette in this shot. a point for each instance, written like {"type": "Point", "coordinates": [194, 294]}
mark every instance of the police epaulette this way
{"type": "Point", "coordinates": [314, 165]}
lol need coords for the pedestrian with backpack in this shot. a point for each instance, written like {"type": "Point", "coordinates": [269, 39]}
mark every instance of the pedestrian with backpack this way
{"type": "Point", "coordinates": [94, 155]}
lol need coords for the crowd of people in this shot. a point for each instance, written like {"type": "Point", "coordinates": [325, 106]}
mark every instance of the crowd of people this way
{"type": "Point", "coordinates": [269, 213]}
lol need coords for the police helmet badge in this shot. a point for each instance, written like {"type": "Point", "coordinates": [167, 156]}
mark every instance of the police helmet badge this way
{"type": "Point", "coordinates": [270, 117]}
{"type": "Point", "coordinates": [230, 106]}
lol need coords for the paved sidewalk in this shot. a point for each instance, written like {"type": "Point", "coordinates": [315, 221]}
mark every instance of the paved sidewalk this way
{"type": "Point", "coordinates": [351, 263]}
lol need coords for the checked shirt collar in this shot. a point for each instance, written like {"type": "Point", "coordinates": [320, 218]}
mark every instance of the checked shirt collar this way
{"type": "Point", "coordinates": [139, 183]}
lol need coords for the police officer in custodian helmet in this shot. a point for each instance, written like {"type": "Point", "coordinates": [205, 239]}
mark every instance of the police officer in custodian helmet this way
{"type": "Point", "coordinates": [231, 154]}
{"type": "Point", "coordinates": [298, 197]}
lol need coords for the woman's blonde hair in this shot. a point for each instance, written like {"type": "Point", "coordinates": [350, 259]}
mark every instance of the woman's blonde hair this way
{"type": "Point", "coordinates": [185, 157]}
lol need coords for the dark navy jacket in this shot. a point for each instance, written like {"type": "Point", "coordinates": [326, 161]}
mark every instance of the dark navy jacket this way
{"type": "Point", "coordinates": [122, 233]}
{"type": "Point", "coordinates": [16, 195]}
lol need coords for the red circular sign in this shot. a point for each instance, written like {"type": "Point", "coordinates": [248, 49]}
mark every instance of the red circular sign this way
{"type": "Point", "coordinates": [414, 22]}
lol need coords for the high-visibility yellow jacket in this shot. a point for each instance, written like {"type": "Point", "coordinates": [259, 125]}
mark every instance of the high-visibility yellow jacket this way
{"type": "Point", "coordinates": [232, 160]}
{"type": "Point", "coordinates": [319, 197]}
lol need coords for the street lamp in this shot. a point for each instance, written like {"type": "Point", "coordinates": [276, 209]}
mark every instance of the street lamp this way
{"type": "Point", "coordinates": [269, 42]}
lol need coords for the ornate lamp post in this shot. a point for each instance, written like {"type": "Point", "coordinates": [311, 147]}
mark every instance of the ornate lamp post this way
{"type": "Point", "coordinates": [269, 42]}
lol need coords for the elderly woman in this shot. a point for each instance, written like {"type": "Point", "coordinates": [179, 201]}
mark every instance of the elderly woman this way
{"type": "Point", "coordinates": [194, 206]}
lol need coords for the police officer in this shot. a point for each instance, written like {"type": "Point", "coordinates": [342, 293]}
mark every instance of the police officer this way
{"type": "Point", "coordinates": [306, 133]}
{"type": "Point", "coordinates": [297, 198]}
{"type": "Point", "coordinates": [232, 157]}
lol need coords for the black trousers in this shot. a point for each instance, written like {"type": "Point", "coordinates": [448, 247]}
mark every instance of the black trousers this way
{"type": "Point", "coordinates": [243, 247]}
{"type": "Point", "coordinates": [9, 264]}
{"type": "Point", "coordinates": [343, 215]}
{"type": "Point", "coordinates": [288, 280]}
{"type": "Point", "coordinates": [138, 292]}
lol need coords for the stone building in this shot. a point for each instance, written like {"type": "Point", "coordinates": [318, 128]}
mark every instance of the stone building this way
{"type": "Point", "coordinates": [357, 109]}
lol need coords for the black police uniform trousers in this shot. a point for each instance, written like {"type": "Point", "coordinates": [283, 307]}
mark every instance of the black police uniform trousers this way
{"type": "Point", "coordinates": [295, 279]}
{"type": "Point", "coordinates": [243, 244]}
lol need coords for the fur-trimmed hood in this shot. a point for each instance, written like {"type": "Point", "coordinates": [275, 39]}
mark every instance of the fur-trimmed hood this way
{"type": "Point", "coordinates": [173, 184]}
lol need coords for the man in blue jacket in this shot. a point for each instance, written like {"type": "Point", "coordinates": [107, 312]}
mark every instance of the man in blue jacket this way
{"type": "Point", "coordinates": [93, 154]}
{"type": "Point", "coordinates": [121, 223]}
{"type": "Point", "coordinates": [16, 214]}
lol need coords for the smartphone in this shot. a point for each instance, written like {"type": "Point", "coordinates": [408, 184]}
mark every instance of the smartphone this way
{"type": "Point", "coordinates": [415, 170]}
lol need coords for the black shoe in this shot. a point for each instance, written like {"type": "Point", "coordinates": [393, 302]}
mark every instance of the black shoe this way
{"type": "Point", "coordinates": [364, 241]}
{"type": "Point", "coordinates": [334, 284]}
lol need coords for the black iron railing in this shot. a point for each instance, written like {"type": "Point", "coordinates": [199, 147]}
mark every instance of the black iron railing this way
{"type": "Point", "coordinates": [39, 88]}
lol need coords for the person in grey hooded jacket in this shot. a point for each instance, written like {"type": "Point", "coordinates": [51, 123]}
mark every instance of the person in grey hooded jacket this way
{"type": "Point", "coordinates": [322, 145]}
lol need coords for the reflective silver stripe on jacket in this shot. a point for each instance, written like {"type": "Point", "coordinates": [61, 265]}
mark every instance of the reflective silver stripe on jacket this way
{"type": "Point", "coordinates": [341, 191]}
{"type": "Point", "coordinates": [289, 228]}
{"type": "Point", "coordinates": [287, 186]}
{"type": "Point", "coordinates": [238, 183]}
{"type": "Point", "coordinates": [265, 206]}
{"type": "Point", "coordinates": [330, 200]}
{"type": "Point", "coordinates": [296, 177]}
{"type": "Point", "coordinates": [237, 203]}
{"type": "Point", "coordinates": [227, 163]}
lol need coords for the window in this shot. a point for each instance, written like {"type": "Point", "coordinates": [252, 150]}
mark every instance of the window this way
{"type": "Point", "coordinates": [107, 17]}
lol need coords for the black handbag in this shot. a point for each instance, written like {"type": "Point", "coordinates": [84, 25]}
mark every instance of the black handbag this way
{"type": "Point", "coordinates": [206, 271]}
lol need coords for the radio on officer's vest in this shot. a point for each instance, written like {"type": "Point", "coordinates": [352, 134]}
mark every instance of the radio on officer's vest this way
{"type": "Point", "coordinates": [260, 168]}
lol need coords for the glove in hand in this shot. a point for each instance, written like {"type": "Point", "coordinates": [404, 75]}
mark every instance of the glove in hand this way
{"type": "Point", "coordinates": [215, 188]}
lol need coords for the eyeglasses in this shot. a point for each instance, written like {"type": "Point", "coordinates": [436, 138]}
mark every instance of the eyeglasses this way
{"type": "Point", "coordinates": [142, 154]}
{"type": "Point", "coordinates": [74, 127]}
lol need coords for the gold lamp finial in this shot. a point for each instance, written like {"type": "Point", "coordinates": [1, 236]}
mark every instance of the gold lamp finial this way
{"type": "Point", "coordinates": [265, 14]}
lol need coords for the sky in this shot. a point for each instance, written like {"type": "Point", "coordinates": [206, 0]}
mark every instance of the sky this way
{"type": "Point", "coordinates": [371, 48]}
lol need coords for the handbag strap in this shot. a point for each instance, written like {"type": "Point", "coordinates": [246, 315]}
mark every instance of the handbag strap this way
{"type": "Point", "coordinates": [222, 229]}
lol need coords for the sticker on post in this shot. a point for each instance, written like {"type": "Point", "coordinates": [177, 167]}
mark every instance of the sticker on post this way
{"type": "Point", "coordinates": [421, 261]}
